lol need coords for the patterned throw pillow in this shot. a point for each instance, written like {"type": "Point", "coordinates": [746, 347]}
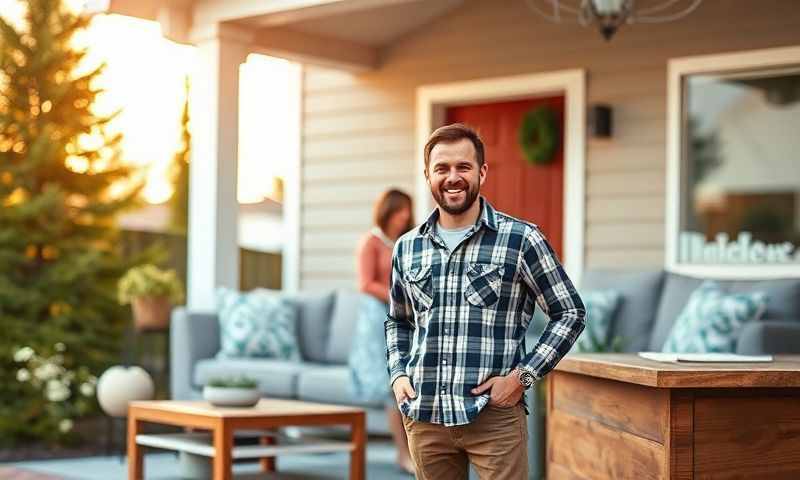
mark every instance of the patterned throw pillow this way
{"type": "Point", "coordinates": [256, 324]}
{"type": "Point", "coordinates": [711, 320]}
{"type": "Point", "coordinates": [600, 307]}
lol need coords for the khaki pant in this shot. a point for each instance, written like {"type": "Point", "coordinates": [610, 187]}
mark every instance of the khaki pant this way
{"type": "Point", "coordinates": [495, 443]}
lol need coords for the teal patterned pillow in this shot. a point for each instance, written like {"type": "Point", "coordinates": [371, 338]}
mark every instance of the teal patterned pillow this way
{"type": "Point", "coordinates": [600, 307]}
{"type": "Point", "coordinates": [256, 324]}
{"type": "Point", "coordinates": [711, 320]}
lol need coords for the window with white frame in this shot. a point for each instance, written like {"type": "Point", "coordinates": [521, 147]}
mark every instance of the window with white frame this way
{"type": "Point", "coordinates": [735, 165]}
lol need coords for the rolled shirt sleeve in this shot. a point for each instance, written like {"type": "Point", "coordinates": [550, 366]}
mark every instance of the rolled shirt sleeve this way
{"type": "Point", "coordinates": [555, 294]}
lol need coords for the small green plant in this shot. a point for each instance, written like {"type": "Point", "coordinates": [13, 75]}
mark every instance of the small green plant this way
{"type": "Point", "coordinates": [614, 345]}
{"type": "Point", "coordinates": [233, 382]}
{"type": "Point", "coordinates": [150, 281]}
{"type": "Point", "coordinates": [596, 344]}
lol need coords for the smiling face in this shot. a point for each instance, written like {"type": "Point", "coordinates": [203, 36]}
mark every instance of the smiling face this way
{"type": "Point", "coordinates": [454, 176]}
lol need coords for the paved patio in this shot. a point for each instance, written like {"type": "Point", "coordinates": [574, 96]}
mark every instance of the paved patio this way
{"type": "Point", "coordinates": [165, 466]}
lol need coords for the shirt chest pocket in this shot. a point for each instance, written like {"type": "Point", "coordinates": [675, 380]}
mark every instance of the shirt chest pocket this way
{"type": "Point", "coordinates": [483, 284]}
{"type": "Point", "coordinates": [420, 286]}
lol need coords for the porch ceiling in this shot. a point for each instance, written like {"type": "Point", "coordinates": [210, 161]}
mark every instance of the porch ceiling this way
{"type": "Point", "coordinates": [342, 33]}
{"type": "Point", "coordinates": [376, 26]}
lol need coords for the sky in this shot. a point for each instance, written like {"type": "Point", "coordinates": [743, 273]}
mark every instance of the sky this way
{"type": "Point", "coordinates": [145, 77]}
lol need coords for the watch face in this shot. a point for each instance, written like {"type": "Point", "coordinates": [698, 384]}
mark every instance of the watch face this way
{"type": "Point", "coordinates": [526, 378]}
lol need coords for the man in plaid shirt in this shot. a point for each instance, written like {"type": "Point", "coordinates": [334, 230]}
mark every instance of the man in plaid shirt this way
{"type": "Point", "coordinates": [463, 291]}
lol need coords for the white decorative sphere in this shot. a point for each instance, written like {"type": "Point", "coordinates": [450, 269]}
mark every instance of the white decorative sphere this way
{"type": "Point", "coordinates": [119, 385]}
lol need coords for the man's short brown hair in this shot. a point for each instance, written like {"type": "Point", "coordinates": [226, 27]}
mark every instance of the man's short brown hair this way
{"type": "Point", "coordinates": [451, 134]}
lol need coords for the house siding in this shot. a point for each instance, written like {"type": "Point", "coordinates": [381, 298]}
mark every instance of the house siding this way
{"type": "Point", "coordinates": [359, 138]}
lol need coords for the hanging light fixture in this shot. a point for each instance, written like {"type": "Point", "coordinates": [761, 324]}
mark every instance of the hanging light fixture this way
{"type": "Point", "coordinates": [609, 15]}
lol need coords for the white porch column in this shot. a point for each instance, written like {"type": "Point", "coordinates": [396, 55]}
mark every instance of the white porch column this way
{"type": "Point", "coordinates": [213, 248]}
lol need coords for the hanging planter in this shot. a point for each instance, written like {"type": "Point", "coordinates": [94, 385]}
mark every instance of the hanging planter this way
{"type": "Point", "coordinates": [538, 136]}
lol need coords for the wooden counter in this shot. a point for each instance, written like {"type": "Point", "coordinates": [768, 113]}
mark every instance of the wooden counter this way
{"type": "Point", "coordinates": [619, 416]}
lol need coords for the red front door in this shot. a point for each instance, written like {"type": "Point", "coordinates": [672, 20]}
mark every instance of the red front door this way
{"type": "Point", "coordinates": [530, 192]}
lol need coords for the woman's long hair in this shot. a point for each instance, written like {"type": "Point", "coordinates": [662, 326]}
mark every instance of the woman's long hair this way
{"type": "Point", "coordinates": [389, 203]}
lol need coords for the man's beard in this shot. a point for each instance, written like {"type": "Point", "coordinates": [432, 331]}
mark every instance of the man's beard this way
{"type": "Point", "coordinates": [471, 195]}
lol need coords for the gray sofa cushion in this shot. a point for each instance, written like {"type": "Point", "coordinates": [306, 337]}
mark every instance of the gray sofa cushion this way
{"type": "Point", "coordinates": [640, 292]}
{"type": "Point", "coordinates": [675, 294]}
{"type": "Point", "coordinates": [314, 323]}
{"type": "Point", "coordinates": [783, 303]}
{"type": "Point", "coordinates": [192, 337]}
{"type": "Point", "coordinates": [784, 296]}
{"type": "Point", "coordinates": [758, 338]}
{"type": "Point", "coordinates": [343, 326]}
{"type": "Point", "coordinates": [276, 378]}
{"type": "Point", "coordinates": [330, 384]}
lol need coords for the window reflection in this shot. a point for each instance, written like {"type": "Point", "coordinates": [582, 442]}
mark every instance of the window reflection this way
{"type": "Point", "coordinates": [741, 168]}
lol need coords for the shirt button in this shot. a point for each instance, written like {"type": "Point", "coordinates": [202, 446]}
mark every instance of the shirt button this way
{"type": "Point", "coordinates": [444, 361]}
{"type": "Point", "coordinates": [447, 331]}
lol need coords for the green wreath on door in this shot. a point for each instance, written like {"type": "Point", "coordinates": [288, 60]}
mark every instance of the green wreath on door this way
{"type": "Point", "coordinates": [538, 136]}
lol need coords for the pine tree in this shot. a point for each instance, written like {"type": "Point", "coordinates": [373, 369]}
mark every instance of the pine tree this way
{"type": "Point", "coordinates": [59, 256]}
{"type": "Point", "coordinates": [179, 203]}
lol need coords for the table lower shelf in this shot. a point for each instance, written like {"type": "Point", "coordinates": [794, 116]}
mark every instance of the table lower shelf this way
{"type": "Point", "coordinates": [200, 443]}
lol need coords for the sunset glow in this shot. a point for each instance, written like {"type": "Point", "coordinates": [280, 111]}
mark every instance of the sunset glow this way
{"type": "Point", "coordinates": [144, 79]}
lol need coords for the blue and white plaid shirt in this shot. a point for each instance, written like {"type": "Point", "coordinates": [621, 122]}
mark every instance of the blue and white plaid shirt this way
{"type": "Point", "coordinates": [458, 318]}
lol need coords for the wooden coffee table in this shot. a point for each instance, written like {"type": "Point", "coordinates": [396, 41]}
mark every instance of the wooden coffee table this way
{"type": "Point", "coordinates": [622, 416]}
{"type": "Point", "coordinates": [265, 417]}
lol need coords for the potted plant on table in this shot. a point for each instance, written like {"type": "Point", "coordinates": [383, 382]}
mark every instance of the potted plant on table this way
{"type": "Point", "coordinates": [151, 292]}
{"type": "Point", "coordinates": [232, 392]}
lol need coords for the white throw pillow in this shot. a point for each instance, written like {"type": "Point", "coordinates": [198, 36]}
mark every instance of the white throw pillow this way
{"type": "Point", "coordinates": [256, 324]}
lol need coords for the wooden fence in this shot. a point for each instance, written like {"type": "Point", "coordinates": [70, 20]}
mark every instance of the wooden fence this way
{"type": "Point", "coordinates": [256, 269]}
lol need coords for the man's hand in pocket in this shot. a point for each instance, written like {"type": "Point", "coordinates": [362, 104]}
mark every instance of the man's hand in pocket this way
{"type": "Point", "coordinates": [403, 390]}
{"type": "Point", "coordinates": [504, 391]}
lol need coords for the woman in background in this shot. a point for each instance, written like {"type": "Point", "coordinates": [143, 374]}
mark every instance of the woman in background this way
{"type": "Point", "coordinates": [369, 376]}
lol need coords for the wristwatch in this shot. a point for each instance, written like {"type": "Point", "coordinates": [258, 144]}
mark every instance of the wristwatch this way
{"type": "Point", "coordinates": [525, 378]}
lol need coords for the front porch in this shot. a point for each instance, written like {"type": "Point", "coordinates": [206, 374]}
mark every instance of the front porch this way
{"type": "Point", "coordinates": [377, 76]}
